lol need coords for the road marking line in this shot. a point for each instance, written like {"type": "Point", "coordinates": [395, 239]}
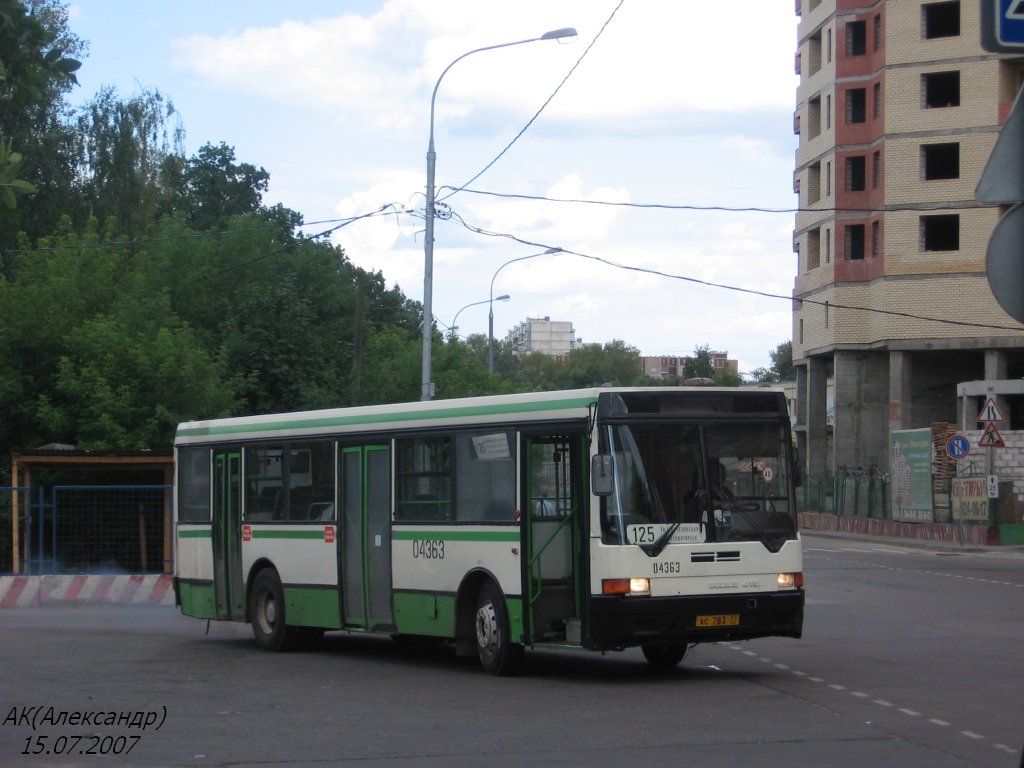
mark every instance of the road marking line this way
{"type": "Point", "coordinates": [910, 712]}
{"type": "Point", "coordinates": [972, 735]}
{"type": "Point", "coordinates": [882, 702]}
{"type": "Point", "coordinates": [935, 721]}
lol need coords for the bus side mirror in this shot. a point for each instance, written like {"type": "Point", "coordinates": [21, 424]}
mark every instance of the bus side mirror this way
{"type": "Point", "coordinates": [601, 477]}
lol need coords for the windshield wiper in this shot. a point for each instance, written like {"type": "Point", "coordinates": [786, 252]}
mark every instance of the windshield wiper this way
{"type": "Point", "coordinates": [654, 548]}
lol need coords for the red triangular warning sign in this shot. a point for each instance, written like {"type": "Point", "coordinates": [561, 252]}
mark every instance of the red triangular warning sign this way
{"type": "Point", "coordinates": [990, 437]}
{"type": "Point", "coordinates": [990, 412]}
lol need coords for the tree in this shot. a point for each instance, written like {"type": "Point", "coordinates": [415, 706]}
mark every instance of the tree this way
{"type": "Point", "coordinates": [782, 366]}
{"type": "Point", "coordinates": [38, 61]}
{"type": "Point", "coordinates": [702, 364]}
{"type": "Point", "coordinates": [211, 187]}
{"type": "Point", "coordinates": [126, 145]}
{"type": "Point", "coordinates": [782, 362]}
{"type": "Point", "coordinates": [591, 365]}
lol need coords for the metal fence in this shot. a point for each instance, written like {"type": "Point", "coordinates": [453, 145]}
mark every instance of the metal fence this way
{"type": "Point", "coordinates": [86, 529]}
{"type": "Point", "coordinates": [849, 492]}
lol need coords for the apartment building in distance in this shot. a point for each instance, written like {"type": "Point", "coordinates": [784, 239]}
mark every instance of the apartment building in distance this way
{"type": "Point", "coordinates": [675, 367]}
{"type": "Point", "coordinates": [897, 110]}
{"type": "Point", "coordinates": [542, 334]}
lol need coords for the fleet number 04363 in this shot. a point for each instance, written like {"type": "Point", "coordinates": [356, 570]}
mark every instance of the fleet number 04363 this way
{"type": "Point", "coordinates": [663, 569]}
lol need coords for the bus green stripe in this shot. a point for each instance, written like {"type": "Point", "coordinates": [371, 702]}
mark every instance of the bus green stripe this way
{"type": "Point", "coordinates": [271, 533]}
{"type": "Point", "coordinates": [455, 535]}
{"type": "Point", "coordinates": [198, 533]}
{"type": "Point", "coordinates": [336, 421]}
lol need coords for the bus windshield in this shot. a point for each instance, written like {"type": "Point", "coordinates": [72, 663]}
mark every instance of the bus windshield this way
{"type": "Point", "coordinates": [697, 483]}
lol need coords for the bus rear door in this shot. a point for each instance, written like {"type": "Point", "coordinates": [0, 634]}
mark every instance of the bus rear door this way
{"type": "Point", "coordinates": [229, 593]}
{"type": "Point", "coordinates": [366, 536]}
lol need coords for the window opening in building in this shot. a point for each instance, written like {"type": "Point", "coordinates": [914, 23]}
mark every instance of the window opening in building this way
{"type": "Point", "coordinates": [813, 117]}
{"type": "Point", "coordinates": [876, 238]}
{"type": "Point", "coordinates": [876, 100]}
{"type": "Point", "coordinates": [814, 53]}
{"type": "Point", "coordinates": [877, 25]}
{"type": "Point", "coordinates": [813, 183]}
{"type": "Point", "coordinates": [828, 178]}
{"type": "Point", "coordinates": [828, 112]}
{"type": "Point", "coordinates": [856, 105]}
{"type": "Point", "coordinates": [854, 241]}
{"type": "Point", "coordinates": [876, 168]}
{"type": "Point", "coordinates": [940, 232]}
{"type": "Point", "coordinates": [826, 314]}
{"type": "Point", "coordinates": [940, 161]}
{"type": "Point", "coordinates": [856, 38]}
{"type": "Point", "coordinates": [941, 89]}
{"type": "Point", "coordinates": [813, 249]}
{"type": "Point", "coordinates": [829, 53]}
{"type": "Point", "coordinates": [856, 173]}
{"type": "Point", "coordinates": [941, 19]}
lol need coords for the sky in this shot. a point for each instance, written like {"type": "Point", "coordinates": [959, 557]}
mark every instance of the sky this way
{"type": "Point", "coordinates": [632, 138]}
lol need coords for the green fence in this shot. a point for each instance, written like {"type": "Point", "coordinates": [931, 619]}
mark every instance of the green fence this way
{"type": "Point", "coordinates": [849, 492]}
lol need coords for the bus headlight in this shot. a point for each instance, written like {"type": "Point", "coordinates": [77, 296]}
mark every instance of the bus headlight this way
{"type": "Point", "coordinates": [629, 587]}
{"type": "Point", "coordinates": [791, 580]}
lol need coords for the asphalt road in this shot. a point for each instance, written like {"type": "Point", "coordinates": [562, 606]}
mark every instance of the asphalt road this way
{"type": "Point", "coordinates": [911, 657]}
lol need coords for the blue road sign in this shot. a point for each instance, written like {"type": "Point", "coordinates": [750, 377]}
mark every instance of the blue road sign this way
{"type": "Point", "coordinates": [1002, 25]}
{"type": "Point", "coordinates": [958, 446]}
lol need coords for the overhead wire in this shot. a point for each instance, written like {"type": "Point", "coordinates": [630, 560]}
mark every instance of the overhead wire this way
{"type": "Point", "coordinates": [737, 289]}
{"type": "Point", "coordinates": [482, 171]}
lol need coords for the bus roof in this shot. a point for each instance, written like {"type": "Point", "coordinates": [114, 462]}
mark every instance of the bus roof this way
{"type": "Point", "coordinates": [564, 405]}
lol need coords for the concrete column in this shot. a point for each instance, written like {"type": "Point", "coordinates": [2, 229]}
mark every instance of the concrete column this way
{"type": "Point", "coordinates": [861, 435]}
{"type": "Point", "coordinates": [815, 452]}
{"type": "Point", "coordinates": [901, 399]}
{"type": "Point", "coordinates": [995, 364]}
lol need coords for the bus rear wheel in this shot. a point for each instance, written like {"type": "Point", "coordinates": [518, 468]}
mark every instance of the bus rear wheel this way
{"type": "Point", "coordinates": [267, 614]}
{"type": "Point", "coordinates": [498, 654]}
{"type": "Point", "coordinates": [663, 656]}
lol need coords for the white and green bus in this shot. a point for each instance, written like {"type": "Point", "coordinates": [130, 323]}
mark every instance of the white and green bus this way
{"type": "Point", "coordinates": [596, 519]}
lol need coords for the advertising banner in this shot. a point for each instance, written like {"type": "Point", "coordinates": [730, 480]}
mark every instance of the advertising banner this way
{"type": "Point", "coordinates": [912, 476]}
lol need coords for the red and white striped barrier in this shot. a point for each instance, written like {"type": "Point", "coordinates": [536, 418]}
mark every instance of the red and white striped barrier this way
{"type": "Point", "coordinates": [123, 589]}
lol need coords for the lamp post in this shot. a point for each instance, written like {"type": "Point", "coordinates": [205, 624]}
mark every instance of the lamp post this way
{"type": "Point", "coordinates": [426, 385]}
{"type": "Point", "coordinates": [454, 327]}
{"type": "Point", "coordinates": [490, 319]}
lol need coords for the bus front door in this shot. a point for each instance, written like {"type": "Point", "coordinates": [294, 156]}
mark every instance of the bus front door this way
{"type": "Point", "coordinates": [366, 537]}
{"type": "Point", "coordinates": [227, 536]}
{"type": "Point", "coordinates": [551, 540]}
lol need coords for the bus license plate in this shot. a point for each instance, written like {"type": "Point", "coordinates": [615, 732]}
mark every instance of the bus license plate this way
{"type": "Point", "coordinates": [719, 620]}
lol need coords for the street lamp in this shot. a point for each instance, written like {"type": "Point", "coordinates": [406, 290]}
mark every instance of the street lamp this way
{"type": "Point", "coordinates": [426, 385]}
{"type": "Point", "coordinates": [490, 320]}
{"type": "Point", "coordinates": [454, 327]}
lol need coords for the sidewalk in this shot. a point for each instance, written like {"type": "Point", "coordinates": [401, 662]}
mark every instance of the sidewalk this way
{"type": "Point", "coordinates": [852, 531]}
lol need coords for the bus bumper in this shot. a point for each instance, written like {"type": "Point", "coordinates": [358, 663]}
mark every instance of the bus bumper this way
{"type": "Point", "coordinates": [620, 622]}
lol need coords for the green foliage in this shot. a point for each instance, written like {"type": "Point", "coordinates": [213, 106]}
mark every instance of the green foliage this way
{"type": "Point", "coordinates": [702, 364]}
{"type": "Point", "coordinates": [37, 66]}
{"type": "Point", "coordinates": [10, 185]}
{"type": "Point", "coordinates": [782, 365]}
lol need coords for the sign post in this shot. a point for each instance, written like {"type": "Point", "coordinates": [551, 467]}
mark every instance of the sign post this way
{"type": "Point", "coordinates": [991, 439]}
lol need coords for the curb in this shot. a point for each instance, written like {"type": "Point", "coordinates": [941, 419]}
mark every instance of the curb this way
{"type": "Point", "coordinates": [122, 589]}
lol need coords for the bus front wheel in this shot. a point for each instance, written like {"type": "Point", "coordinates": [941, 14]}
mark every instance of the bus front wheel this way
{"type": "Point", "coordinates": [663, 656]}
{"type": "Point", "coordinates": [498, 654]}
{"type": "Point", "coordinates": [266, 612]}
